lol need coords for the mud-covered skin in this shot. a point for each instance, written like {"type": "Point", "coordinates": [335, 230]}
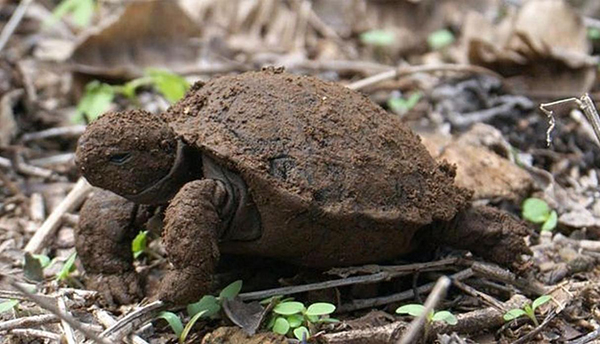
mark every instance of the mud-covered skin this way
{"type": "Point", "coordinates": [191, 234]}
{"type": "Point", "coordinates": [108, 225]}
{"type": "Point", "coordinates": [282, 166]}
{"type": "Point", "coordinates": [102, 152]}
{"type": "Point", "coordinates": [488, 232]}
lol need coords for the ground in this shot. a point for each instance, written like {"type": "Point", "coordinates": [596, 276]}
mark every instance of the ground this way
{"type": "Point", "coordinates": [467, 76]}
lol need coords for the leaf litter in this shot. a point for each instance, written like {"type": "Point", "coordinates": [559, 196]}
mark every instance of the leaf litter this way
{"type": "Point", "coordinates": [543, 50]}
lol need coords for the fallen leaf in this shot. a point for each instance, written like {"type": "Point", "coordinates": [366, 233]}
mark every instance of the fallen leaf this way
{"type": "Point", "coordinates": [144, 34]}
{"type": "Point", "coordinates": [542, 48]}
{"type": "Point", "coordinates": [248, 316]}
{"type": "Point", "coordinates": [8, 124]}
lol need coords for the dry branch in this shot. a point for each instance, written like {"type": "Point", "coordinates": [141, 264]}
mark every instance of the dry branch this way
{"type": "Point", "coordinates": [52, 223]}
{"type": "Point", "coordinates": [472, 322]}
{"type": "Point", "coordinates": [437, 294]}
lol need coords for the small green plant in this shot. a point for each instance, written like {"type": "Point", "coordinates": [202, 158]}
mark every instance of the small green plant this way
{"type": "Point", "coordinates": [81, 12]}
{"type": "Point", "coordinates": [528, 310]}
{"type": "Point", "coordinates": [139, 244]}
{"type": "Point", "coordinates": [378, 38]}
{"type": "Point", "coordinates": [593, 33]}
{"type": "Point", "coordinates": [537, 211]}
{"type": "Point", "coordinates": [98, 96]}
{"type": "Point", "coordinates": [292, 318]}
{"type": "Point", "coordinates": [8, 305]}
{"type": "Point", "coordinates": [440, 39]}
{"type": "Point", "coordinates": [206, 307]}
{"type": "Point", "coordinates": [68, 268]}
{"type": "Point", "coordinates": [401, 105]}
{"type": "Point", "coordinates": [416, 310]}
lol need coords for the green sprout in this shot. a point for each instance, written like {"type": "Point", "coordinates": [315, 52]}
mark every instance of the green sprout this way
{"type": "Point", "coordinates": [81, 12]}
{"type": "Point", "coordinates": [401, 105]}
{"type": "Point", "coordinates": [440, 39]}
{"type": "Point", "coordinates": [207, 306]}
{"type": "Point", "coordinates": [528, 310]}
{"type": "Point", "coordinates": [139, 244]}
{"type": "Point", "coordinates": [593, 33]}
{"type": "Point", "coordinates": [67, 268]}
{"type": "Point", "coordinates": [99, 96]}
{"type": "Point", "coordinates": [416, 310]}
{"type": "Point", "coordinates": [378, 38]}
{"type": "Point", "coordinates": [8, 305]}
{"type": "Point", "coordinates": [292, 318]}
{"type": "Point", "coordinates": [537, 211]}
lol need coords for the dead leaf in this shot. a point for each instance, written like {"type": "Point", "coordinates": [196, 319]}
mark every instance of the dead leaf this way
{"type": "Point", "coordinates": [541, 48]}
{"type": "Point", "coordinates": [144, 34]}
{"type": "Point", "coordinates": [488, 174]}
{"type": "Point", "coordinates": [248, 316]}
{"type": "Point", "coordinates": [33, 268]}
{"type": "Point", "coordinates": [8, 124]}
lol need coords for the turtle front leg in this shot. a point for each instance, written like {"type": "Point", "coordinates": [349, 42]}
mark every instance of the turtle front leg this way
{"type": "Point", "coordinates": [192, 228]}
{"type": "Point", "coordinates": [103, 238]}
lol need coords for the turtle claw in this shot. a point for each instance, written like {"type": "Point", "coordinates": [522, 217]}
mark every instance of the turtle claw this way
{"type": "Point", "coordinates": [117, 289]}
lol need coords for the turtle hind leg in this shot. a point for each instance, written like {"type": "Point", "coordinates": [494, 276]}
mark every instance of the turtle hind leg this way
{"type": "Point", "coordinates": [487, 232]}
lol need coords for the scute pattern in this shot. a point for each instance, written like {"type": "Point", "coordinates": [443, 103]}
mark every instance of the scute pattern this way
{"type": "Point", "coordinates": [313, 140]}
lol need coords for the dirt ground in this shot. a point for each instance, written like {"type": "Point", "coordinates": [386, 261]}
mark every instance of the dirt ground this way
{"type": "Point", "coordinates": [467, 76]}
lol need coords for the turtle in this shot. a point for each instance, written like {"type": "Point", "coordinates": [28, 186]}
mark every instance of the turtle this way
{"type": "Point", "coordinates": [272, 164]}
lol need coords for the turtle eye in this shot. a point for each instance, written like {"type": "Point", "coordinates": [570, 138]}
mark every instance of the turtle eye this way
{"type": "Point", "coordinates": [119, 158]}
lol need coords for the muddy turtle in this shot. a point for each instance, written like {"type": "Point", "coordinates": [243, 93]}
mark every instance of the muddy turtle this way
{"type": "Point", "coordinates": [270, 164]}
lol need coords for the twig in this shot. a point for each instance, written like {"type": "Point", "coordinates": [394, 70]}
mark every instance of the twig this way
{"type": "Point", "coordinates": [53, 160]}
{"type": "Point", "coordinates": [340, 66]}
{"type": "Point", "coordinates": [587, 338]}
{"type": "Point", "coordinates": [49, 227]}
{"type": "Point", "coordinates": [436, 295]}
{"type": "Point", "coordinates": [404, 71]}
{"type": "Point", "coordinates": [526, 338]}
{"type": "Point", "coordinates": [586, 105]}
{"type": "Point", "coordinates": [47, 305]}
{"type": "Point", "coordinates": [497, 273]}
{"type": "Point", "coordinates": [406, 268]}
{"type": "Point", "coordinates": [107, 320]}
{"type": "Point", "coordinates": [476, 293]}
{"type": "Point", "coordinates": [37, 210]}
{"type": "Point", "coordinates": [28, 322]}
{"type": "Point", "coordinates": [37, 334]}
{"type": "Point", "coordinates": [22, 167]}
{"type": "Point", "coordinates": [468, 323]}
{"type": "Point", "coordinates": [257, 295]}
{"type": "Point", "coordinates": [132, 320]}
{"type": "Point", "coordinates": [68, 331]}
{"type": "Point", "coordinates": [9, 294]}
{"type": "Point", "coordinates": [303, 9]}
{"type": "Point", "coordinates": [74, 130]}
{"type": "Point", "coordinates": [405, 295]}
{"type": "Point", "coordinates": [13, 22]}
{"type": "Point", "coordinates": [321, 27]}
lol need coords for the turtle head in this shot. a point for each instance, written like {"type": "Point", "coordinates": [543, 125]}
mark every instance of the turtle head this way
{"type": "Point", "coordinates": [128, 153]}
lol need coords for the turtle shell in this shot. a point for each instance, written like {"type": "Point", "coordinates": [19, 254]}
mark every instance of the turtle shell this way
{"type": "Point", "coordinates": [316, 144]}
